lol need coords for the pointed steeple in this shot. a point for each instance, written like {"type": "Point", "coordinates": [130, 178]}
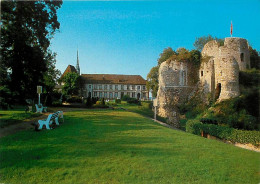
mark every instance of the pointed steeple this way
{"type": "Point", "coordinates": [77, 66]}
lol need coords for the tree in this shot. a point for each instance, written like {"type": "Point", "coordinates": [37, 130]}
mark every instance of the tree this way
{"type": "Point", "coordinates": [166, 54]}
{"type": "Point", "coordinates": [71, 84]}
{"type": "Point", "coordinates": [50, 78]}
{"type": "Point", "coordinates": [152, 80]}
{"type": "Point", "coordinates": [152, 77]}
{"type": "Point", "coordinates": [254, 58]}
{"type": "Point", "coordinates": [201, 41]}
{"type": "Point", "coordinates": [26, 30]}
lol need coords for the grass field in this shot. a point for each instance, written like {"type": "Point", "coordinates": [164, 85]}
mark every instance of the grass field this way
{"type": "Point", "coordinates": [14, 116]}
{"type": "Point", "coordinates": [115, 146]}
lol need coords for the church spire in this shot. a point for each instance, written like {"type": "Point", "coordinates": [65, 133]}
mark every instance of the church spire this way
{"type": "Point", "coordinates": [77, 66]}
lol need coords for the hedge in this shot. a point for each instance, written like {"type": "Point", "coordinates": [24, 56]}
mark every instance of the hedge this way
{"type": "Point", "coordinates": [230, 134]}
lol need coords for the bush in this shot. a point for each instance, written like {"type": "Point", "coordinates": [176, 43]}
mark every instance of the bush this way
{"type": "Point", "coordinates": [89, 102]}
{"type": "Point", "coordinates": [147, 104]}
{"type": "Point", "coordinates": [74, 99]}
{"type": "Point", "coordinates": [133, 101]}
{"type": "Point", "coordinates": [125, 98]}
{"type": "Point", "coordinates": [118, 101]}
{"type": "Point", "coordinates": [99, 105]}
{"type": "Point", "coordinates": [225, 133]}
{"type": "Point", "coordinates": [103, 101]}
{"type": "Point", "coordinates": [191, 128]}
{"type": "Point", "coordinates": [56, 103]}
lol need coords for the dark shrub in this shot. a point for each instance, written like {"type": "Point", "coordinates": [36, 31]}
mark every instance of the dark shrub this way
{"type": "Point", "coordinates": [89, 102]}
{"type": "Point", "coordinates": [126, 98]}
{"type": "Point", "coordinates": [118, 101]}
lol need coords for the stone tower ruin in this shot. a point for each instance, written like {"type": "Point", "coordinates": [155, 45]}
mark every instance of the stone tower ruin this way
{"type": "Point", "coordinates": [217, 76]}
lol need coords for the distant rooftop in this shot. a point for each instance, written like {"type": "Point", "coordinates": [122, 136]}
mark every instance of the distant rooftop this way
{"type": "Point", "coordinates": [113, 79]}
{"type": "Point", "coordinates": [70, 68]}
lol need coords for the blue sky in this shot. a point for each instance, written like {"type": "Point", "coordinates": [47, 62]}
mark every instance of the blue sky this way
{"type": "Point", "coordinates": [127, 37]}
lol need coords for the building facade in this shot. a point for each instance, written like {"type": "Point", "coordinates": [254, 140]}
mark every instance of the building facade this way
{"type": "Point", "coordinates": [111, 86]}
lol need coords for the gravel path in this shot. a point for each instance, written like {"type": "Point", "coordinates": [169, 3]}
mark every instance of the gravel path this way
{"type": "Point", "coordinates": [25, 125]}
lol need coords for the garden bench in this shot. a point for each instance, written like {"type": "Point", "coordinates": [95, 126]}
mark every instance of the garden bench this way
{"type": "Point", "coordinates": [52, 118]}
{"type": "Point", "coordinates": [40, 108]}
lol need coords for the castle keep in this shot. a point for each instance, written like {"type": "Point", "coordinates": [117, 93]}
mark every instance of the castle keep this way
{"type": "Point", "coordinates": [217, 76]}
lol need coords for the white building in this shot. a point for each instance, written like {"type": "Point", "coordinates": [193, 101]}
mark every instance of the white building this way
{"type": "Point", "coordinates": [111, 86]}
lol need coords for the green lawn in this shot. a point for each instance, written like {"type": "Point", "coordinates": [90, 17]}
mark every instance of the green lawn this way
{"type": "Point", "coordinates": [14, 116]}
{"type": "Point", "coordinates": [115, 146]}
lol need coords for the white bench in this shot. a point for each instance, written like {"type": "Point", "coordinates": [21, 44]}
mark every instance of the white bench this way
{"type": "Point", "coordinates": [49, 121]}
{"type": "Point", "coordinates": [41, 108]}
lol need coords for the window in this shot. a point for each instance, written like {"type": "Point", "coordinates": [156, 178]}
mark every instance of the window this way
{"type": "Point", "coordinates": [138, 87]}
{"type": "Point", "coordinates": [128, 93]}
{"type": "Point", "coordinates": [110, 95]}
{"type": "Point", "coordinates": [242, 57]}
{"type": "Point", "coordinates": [144, 95]}
{"type": "Point", "coordinates": [127, 87]}
{"type": "Point", "coordinates": [105, 94]}
{"type": "Point", "coordinates": [122, 87]}
{"type": "Point", "coordinates": [116, 94]}
{"type": "Point", "coordinates": [201, 73]}
{"type": "Point", "coordinates": [133, 87]}
{"type": "Point", "coordinates": [99, 86]}
{"type": "Point", "coordinates": [95, 86]}
{"type": "Point", "coordinates": [105, 86]}
{"type": "Point", "coordinates": [182, 78]}
{"type": "Point", "coordinates": [116, 87]}
{"type": "Point", "coordinates": [133, 95]}
{"type": "Point", "coordinates": [95, 94]}
{"type": "Point", "coordinates": [143, 87]}
{"type": "Point", "coordinates": [89, 86]}
{"type": "Point", "coordinates": [110, 87]}
{"type": "Point", "coordinates": [100, 94]}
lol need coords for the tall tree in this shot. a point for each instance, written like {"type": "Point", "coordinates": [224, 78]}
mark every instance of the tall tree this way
{"type": "Point", "coordinates": [152, 80]}
{"type": "Point", "coordinates": [71, 84]}
{"type": "Point", "coordinates": [26, 30]}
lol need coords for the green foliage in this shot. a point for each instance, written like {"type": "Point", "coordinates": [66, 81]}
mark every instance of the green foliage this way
{"type": "Point", "coordinates": [126, 98]}
{"type": "Point", "coordinates": [191, 128]}
{"type": "Point", "coordinates": [193, 107]}
{"type": "Point", "coordinates": [56, 103]}
{"type": "Point", "coordinates": [152, 80]}
{"type": "Point", "coordinates": [89, 102]}
{"type": "Point", "coordinates": [249, 78]}
{"type": "Point", "coordinates": [225, 133]}
{"type": "Point", "coordinates": [118, 101]}
{"type": "Point", "coordinates": [5, 97]}
{"type": "Point", "coordinates": [166, 54]}
{"type": "Point", "coordinates": [103, 101]}
{"type": "Point", "coordinates": [74, 99]}
{"type": "Point", "coordinates": [254, 58]}
{"type": "Point", "coordinates": [100, 105]}
{"type": "Point", "coordinates": [71, 84]}
{"type": "Point", "coordinates": [201, 41]}
{"type": "Point", "coordinates": [26, 30]}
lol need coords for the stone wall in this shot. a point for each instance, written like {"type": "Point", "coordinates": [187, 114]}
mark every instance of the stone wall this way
{"type": "Point", "coordinates": [227, 74]}
{"type": "Point", "coordinates": [175, 84]}
{"type": "Point", "coordinates": [218, 76]}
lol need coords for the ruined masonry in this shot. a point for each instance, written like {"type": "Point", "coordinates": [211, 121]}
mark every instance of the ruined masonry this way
{"type": "Point", "coordinates": [217, 76]}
